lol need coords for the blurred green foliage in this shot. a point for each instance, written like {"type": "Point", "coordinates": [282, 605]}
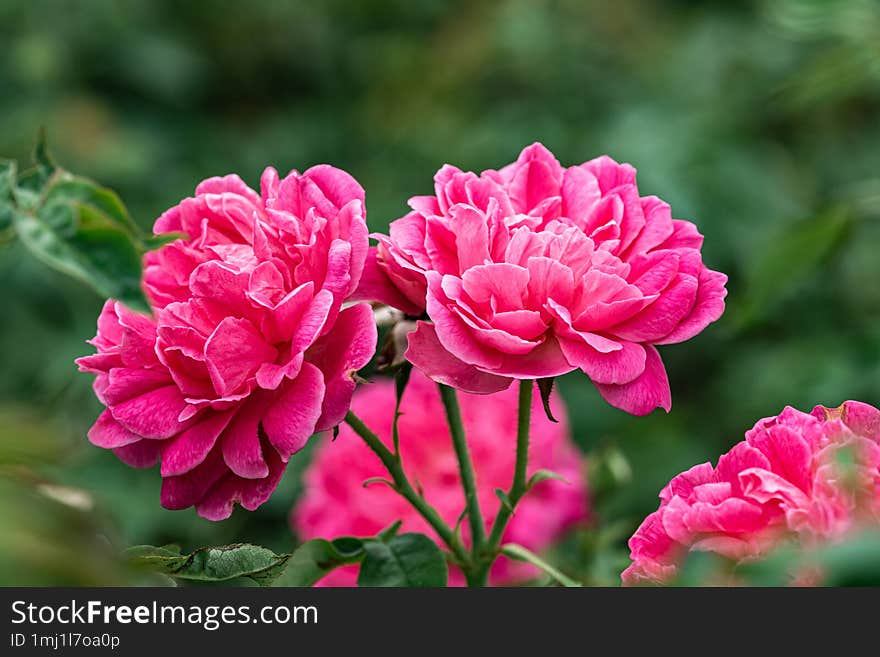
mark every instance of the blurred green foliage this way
{"type": "Point", "coordinates": [851, 562]}
{"type": "Point", "coordinates": [757, 120]}
{"type": "Point", "coordinates": [75, 226]}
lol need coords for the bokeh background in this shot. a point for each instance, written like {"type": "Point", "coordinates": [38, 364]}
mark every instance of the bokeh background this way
{"type": "Point", "coordinates": [757, 120]}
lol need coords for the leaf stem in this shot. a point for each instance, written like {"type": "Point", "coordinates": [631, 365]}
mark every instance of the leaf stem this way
{"type": "Point", "coordinates": [520, 553]}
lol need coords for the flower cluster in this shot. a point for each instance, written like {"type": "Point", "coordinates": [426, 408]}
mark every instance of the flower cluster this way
{"type": "Point", "coordinates": [250, 350]}
{"type": "Point", "coordinates": [335, 502]}
{"type": "Point", "coordinates": [813, 477]}
{"type": "Point", "coordinates": [536, 270]}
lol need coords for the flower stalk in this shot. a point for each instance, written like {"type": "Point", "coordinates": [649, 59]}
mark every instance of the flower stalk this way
{"type": "Point", "coordinates": [520, 484]}
{"type": "Point", "coordinates": [477, 563]}
{"type": "Point", "coordinates": [404, 488]}
{"type": "Point", "coordinates": [466, 468]}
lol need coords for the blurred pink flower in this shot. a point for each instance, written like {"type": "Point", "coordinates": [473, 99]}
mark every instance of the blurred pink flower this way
{"type": "Point", "coordinates": [536, 270]}
{"type": "Point", "coordinates": [785, 480]}
{"type": "Point", "coordinates": [250, 351]}
{"type": "Point", "coordinates": [335, 503]}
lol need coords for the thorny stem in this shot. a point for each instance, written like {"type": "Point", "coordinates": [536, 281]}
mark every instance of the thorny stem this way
{"type": "Point", "coordinates": [519, 486]}
{"type": "Point", "coordinates": [403, 487]}
{"type": "Point", "coordinates": [477, 563]}
{"type": "Point", "coordinates": [465, 466]}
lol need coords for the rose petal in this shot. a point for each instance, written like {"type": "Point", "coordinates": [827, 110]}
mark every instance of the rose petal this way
{"type": "Point", "coordinates": [647, 392]}
{"type": "Point", "coordinates": [291, 419]}
{"type": "Point", "coordinates": [425, 352]}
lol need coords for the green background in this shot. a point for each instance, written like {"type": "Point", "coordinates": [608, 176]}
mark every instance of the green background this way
{"type": "Point", "coordinates": [756, 120]}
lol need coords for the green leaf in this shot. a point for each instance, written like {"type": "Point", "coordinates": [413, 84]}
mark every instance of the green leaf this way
{"type": "Point", "coordinates": [211, 564]}
{"type": "Point", "coordinates": [545, 387]}
{"type": "Point", "coordinates": [543, 475]}
{"type": "Point", "coordinates": [352, 547]}
{"type": "Point", "coordinates": [505, 500]}
{"type": "Point", "coordinates": [520, 553]}
{"type": "Point", "coordinates": [314, 559]}
{"type": "Point", "coordinates": [412, 560]}
{"type": "Point", "coordinates": [93, 248]}
{"type": "Point", "coordinates": [72, 190]}
{"type": "Point", "coordinates": [77, 227]}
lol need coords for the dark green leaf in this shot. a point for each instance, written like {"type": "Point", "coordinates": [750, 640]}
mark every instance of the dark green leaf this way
{"type": "Point", "coordinates": [412, 560]}
{"type": "Point", "coordinates": [545, 387]}
{"type": "Point", "coordinates": [314, 559]}
{"type": "Point", "coordinates": [350, 546]}
{"type": "Point", "coordinates": [211, 564]}
{"type": "Point", "coordinates": [77, 227]}
{"type": "Point", "coordinates": [73, 190]}
{"type": "Point", "coordinates": [94, 249]}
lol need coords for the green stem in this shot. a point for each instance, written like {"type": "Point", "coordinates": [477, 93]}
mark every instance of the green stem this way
{"type": "Point", "coordinates": [404, 488]}
{"type": "Point", "coordinates": [478, 576]}
{"type": "Point", "coordinates": [465, 466]}
{"type": "Point", "coordinates": [520, 483]}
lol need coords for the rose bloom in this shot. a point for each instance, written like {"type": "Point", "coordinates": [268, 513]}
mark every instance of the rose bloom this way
{"type": "Point", "coordinates": [335, 502]}
{"type": "Point", "coordinates": [250, 350]}
{"type": "Point", "coordinates": [786, 481]}
{"type": "Point", "coordinates": [536, 270]}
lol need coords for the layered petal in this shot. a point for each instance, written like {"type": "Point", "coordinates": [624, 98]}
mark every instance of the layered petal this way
{"type": "Point", "coordinates": [784, 484]}
{"type": "Point", "coordinates": [646, 392]}
{"type": "Point", "coordinates": [536, 269]}
{"type": "Point", "coordinates": [249, 351]}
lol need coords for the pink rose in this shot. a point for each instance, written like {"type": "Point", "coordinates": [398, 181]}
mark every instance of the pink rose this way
{"type": "Point", "coordinates": [536, 270]}
{"type": "Point", "coordinates": [250, 351]}
{"type": "Point", "coordinates": [335, 503]}
{"type": "Point", "coordinates": [785, 480]}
